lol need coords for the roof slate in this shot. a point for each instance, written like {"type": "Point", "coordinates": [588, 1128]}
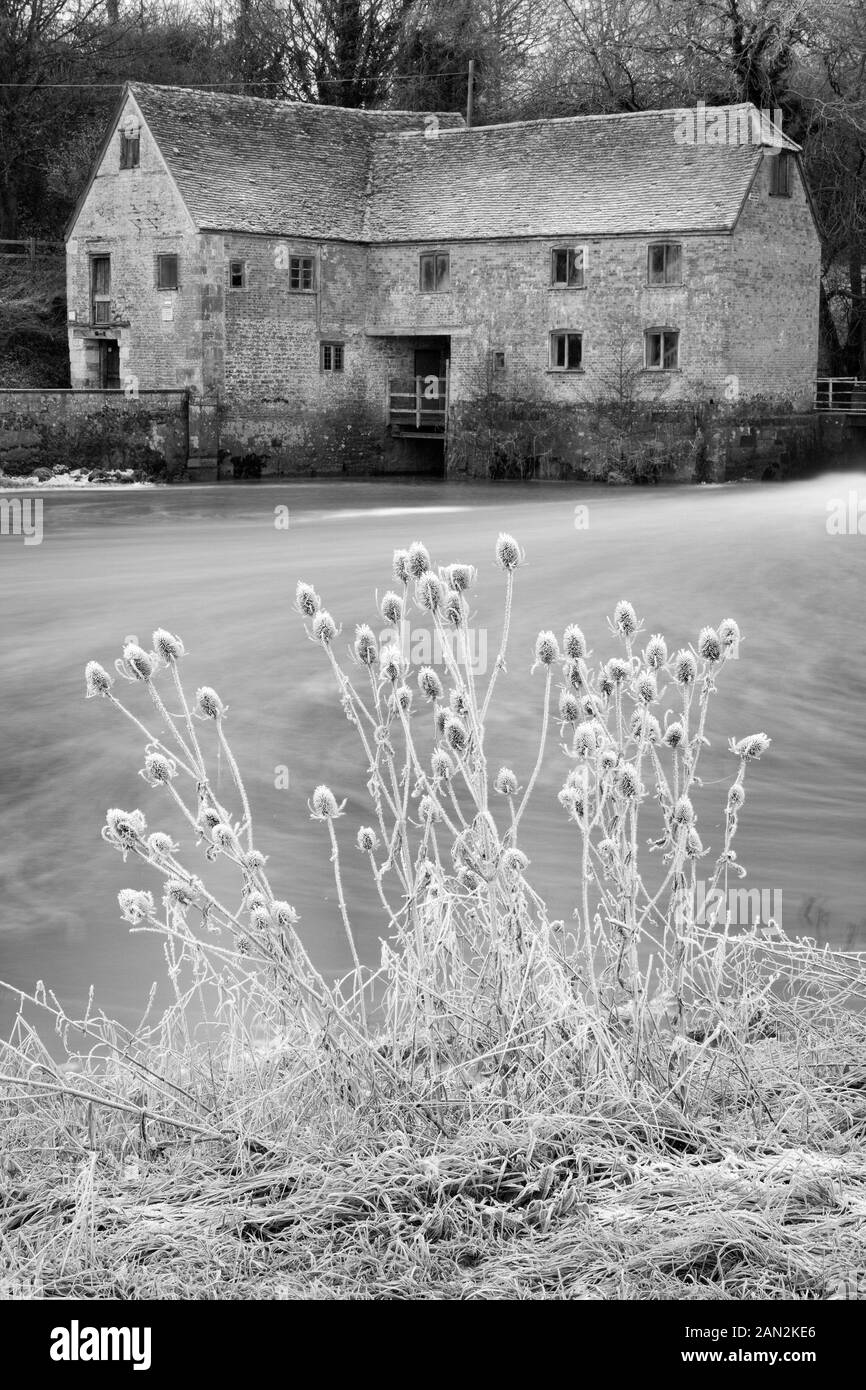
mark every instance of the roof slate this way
{"type": "Point", "coordinates": [282, 168]}
{"type": "Point", "coordinates": [292, 169]}
{"type": "Point", "coordinates": [581, 176]}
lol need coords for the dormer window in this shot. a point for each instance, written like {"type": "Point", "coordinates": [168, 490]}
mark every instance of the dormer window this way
{"type": "Point", "coordinates": [780, 175]}
{"type": "Point", "coordinates": [130, 149]}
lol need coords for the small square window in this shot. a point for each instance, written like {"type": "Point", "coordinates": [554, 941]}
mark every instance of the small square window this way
{"type": "Point", "coordinates": [780, 175]}
{"type": "Point", "coordinates": [662, 349]}
{"type": "Point", "coordinates": [435, 272]}
{"type": "Point", "coordinates": [166, 272]}
{"type": "Point", "coordinates": [664, 263]}
{"type": "Point", "coordinates": [332, 357]}
{"type": "Point", "coordinates": [566, 352]}
{"type": "Point", "coordinates": [567, 268]}
{"type": "Point", "coordinates": [130, 150]}
{"type": "Point", "coordinates": [301, 276]}
{"type": "Point", "coordinates": [237, 275]}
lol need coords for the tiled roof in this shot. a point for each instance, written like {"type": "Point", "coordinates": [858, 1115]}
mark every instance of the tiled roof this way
{"type": "Point", "coordinates": [280, 167]}
{"type": "Point", "coordinates": [584, 175]}
{"type": "Point", "coordinates": [290, 168]}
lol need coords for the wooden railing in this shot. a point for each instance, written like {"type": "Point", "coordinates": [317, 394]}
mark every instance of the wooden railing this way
{"type": "Point", "coordinates": [842, 393]}
{"type": "Point", "coordinates": [418, 405]}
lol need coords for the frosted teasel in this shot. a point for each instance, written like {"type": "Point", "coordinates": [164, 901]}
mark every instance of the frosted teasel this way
{"type": "Point", "coordinates": [472, 963]}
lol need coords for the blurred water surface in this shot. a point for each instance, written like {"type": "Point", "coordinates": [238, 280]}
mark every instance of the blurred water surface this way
{"type": "Point", "coordinates": [211, 565]}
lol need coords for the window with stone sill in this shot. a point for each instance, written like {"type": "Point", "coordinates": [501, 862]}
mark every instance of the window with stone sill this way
{"type": "Point", "coordinates": [662, 350]}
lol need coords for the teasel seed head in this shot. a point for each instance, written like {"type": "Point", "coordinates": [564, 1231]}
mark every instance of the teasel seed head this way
{"type": "Point", "coordinates": [608, 759]}
{"type": "Point", "coordinates": [428, 810]}
{"type": "Point", "coordinates": [456, 734]}
{"type": "Point", "coordinates": [729, 635]}
{"type": "Point", "coordinates": [135, 905]}
{"type": "Point", "coordinates": [167, 646]}
{"type": "Point", "coordinates": [158, 768]}
{"type": "Point", "coordinates": [430, 593]}
{"type": "Point", "coordinates": [323, 804]}
{"type": "Point", "coordinates": [513, 862]}
{"type": "Point", "coordinates": [400, 567]}
{"type": "Point", "coordinates": [709, 645]}
{"type": "Point", "coordinates": [161, 845]}
{"type": "Point", "coordinates": [673, 735]}
{"type": "Point", "coordinates": [627, 782]}
{"type": "Point", "coordinates": [508, 553]}
{"type": "Point", "coordinates": [458, 702]}
{"type": "Point", "coordinates": [208, 818]}
{"type": "Point", "coordinates": [656, 652]}
{"type": "Point", "coordinates": [505, 782]}
{"type": "Point", "coordinates": [546, 649]}
{"type": "Point", "coordinates": [617, 670]}
{"type": "Point", "coordinates": [574, 643]}
{"type": "Point", "coordinates": [254, 859]}
{"type": "Point", "coordinates": [605, 685]}
{"type": "Point", "coordinates": [419, 559]}
{"type": "Point", "coordinates": [569, 707]}
{"type": "Point", "coordinates": [97, 680]}
{"type": "Point", "coordinates": [365, 646]}
{"type": "Point", "coordinates": [694, 844]}
{"type": "Point", "coordinates": [307, 601]}
{"type": "Point", "coordinates": [178, 894]}
{"type": "Point", "coordinates": [138, 661]}
{"type": "Point", "coordinates": [124, 827]}
{"type": "Point", "coordinates": [589, 736]}
{"type": "Point", "coordinates": [284, 915]}
{"type": "Point", "coordinates": [368, 840]}
{"type": "Point", "coordinates": [683, 812]}
{"type": "Point", "coordinates": [391, 663]}
{"type": "Point", "coordinates": [685, 667]}
{"type": "Point", "coordinates": [429, 683]}
{"type": "Point", "coordinates": [391, 607]}
{"type": "Point", "coordinates": [208, 703]}
{"type": "Point", "coordinates": [461, 577]}
{"type": "Point", "coordinates": [625, 618]}
{"type": "Point", "coordinates": [646, 687]}
{"type": "Point", "coordinates": [403, 698]}
{"type": "Point", "coordinates": [736, 796]}
{"type": "Point", "coordinates": [573, 674]}
{"type": "Point", "coordinates": [440, 718]}
{"type": "Point", "coordinates": [324, 627]}
{"type": "Point", "coordinates": [224, 837]}
{"type": "Point", "coordinates": [441, 765]}
{"type": "Point", "coordinates": [260, 918]}
{"type": "Point", "coordinates": [453, 608]}
{"type": "Point", "coordinates": [751, 747]}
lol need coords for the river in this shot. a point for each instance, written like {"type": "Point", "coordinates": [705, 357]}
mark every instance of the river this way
{"type": "Point", "coordinates": [211, 564]}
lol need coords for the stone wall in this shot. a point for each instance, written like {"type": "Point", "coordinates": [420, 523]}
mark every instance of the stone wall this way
{"type": "Point", "coordinates": [97, 430]}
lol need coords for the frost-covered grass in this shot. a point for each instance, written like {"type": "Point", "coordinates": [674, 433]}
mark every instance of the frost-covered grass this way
{"type": "Point", "coordinates": [631, 1104]}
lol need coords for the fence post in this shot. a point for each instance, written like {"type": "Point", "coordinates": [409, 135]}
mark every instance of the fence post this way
{"type": "Point", "coordinates": [417, 402]}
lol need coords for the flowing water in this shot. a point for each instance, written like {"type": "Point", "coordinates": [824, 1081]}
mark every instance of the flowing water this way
{"type": "Point", "coordinates": [212, 565]}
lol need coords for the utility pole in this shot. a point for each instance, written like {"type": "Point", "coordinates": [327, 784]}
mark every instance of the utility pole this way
{"type": "Point", "coordinates": [470, 91]}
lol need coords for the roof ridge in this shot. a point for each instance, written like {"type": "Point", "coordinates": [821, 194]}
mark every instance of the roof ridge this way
{"type": "Point", "coordinates": [135, 85]}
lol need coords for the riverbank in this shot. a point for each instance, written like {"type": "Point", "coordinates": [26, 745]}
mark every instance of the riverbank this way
{"type": "Point", "coordinates": [751, 1193]}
